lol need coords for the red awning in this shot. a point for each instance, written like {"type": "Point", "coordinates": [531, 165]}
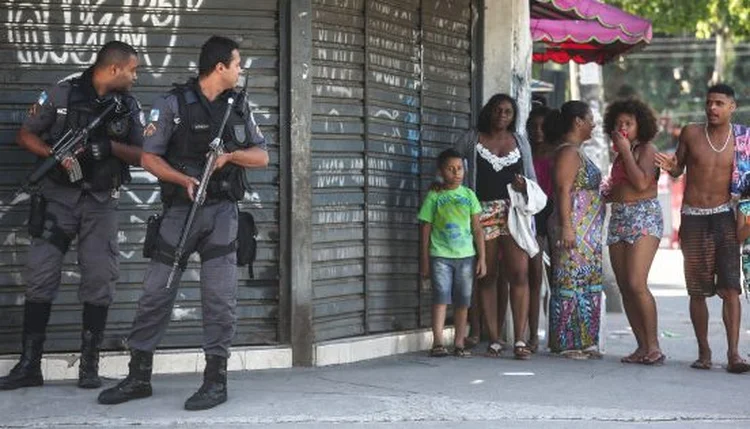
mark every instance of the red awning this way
{"type": "Point", "coordinates": [584, 31]}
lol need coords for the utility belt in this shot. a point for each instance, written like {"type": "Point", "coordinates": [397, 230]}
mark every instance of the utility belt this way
{"type": "Point", "coordinates": [226, 185]}
{"type": "Point", "coordinates": [172, 195]}
{"type": "Point", "coordinates": [155, 248]}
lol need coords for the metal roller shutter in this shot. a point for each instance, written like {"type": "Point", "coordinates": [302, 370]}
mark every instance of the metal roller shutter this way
{"type": "Point", "coordinates": [393, 116]}
{"type": "Point", "coordinates": [50, 40]}
{"type": "Point", "coordinates": [338, 168]}
{"type": "Point", "coordinates": [393, 87]}
{"type": "Point", "coordinates": [447, 89]}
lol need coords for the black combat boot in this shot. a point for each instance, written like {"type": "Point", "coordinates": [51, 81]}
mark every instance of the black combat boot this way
{"type": "Point", "coordinates": [94, 320]}
{"type": "Point", "coordinates": [136, 385]}
{"type": "Point", "coordinates": [88, 366]}
{"type": "Point", "coordinates": [214, 389]}
{"type": "Point", "coordinates": [28, 370]}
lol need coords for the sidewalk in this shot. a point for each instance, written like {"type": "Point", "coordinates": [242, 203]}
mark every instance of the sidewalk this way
{"type": "Point", "coordinates": [414, 391]}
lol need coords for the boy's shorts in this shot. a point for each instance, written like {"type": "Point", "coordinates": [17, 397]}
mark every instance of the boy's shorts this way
{"type": "Point", "coordinates": [452, 280]}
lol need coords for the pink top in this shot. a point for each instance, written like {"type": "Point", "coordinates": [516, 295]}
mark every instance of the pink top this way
{"type": "Point", "coordinates": [617, 174]}
{"type": "Point", "coordinates": [543, 168]}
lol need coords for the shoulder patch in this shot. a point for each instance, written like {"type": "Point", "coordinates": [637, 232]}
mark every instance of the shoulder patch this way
{"type": "Point", "coordinates": [142, 118]}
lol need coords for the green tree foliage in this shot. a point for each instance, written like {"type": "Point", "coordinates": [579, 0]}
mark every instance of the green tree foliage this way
{"type": "Point", "coordinates": [673, 73]}
{"type": "Point", "coordinates": [702, 18]}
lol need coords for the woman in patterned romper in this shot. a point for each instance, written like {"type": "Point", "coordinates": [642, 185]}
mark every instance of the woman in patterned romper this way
{"type": "Point", "coordinates": [575, 230]}
{"type": "Point", "coordinates": [636, 224]}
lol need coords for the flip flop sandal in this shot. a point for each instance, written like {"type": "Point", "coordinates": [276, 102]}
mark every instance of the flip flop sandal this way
{"type": "Point", "coordinates": [701, 364]}
{"type": "Point", "coordinates": [740, 367]}
{"type": "Point", "coordinates": [461, 352]}
{"type": "Point", "coordinates": [574, 355]}
{"type": "Point", "coordinates": [634, 357]}
{"type": "Point", "coordinates": [494, 349]}
{"type": "Point", "coordinates": [655, 360]}
{"type": "Point", "coordinates": [593, 352]}
{"type": "Point", "coordinates": [521, 351]}
{"type": "Point", "coordinates": [438, 351]}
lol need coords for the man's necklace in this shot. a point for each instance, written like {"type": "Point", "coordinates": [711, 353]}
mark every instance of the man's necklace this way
{"type": "Point", "coordinates": [726, 142]}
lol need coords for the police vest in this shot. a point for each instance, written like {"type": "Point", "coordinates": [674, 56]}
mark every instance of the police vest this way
{"type": "Point", "coordinates": [189, 144]}
{"type": "Point", "coordinates": [82, 108]}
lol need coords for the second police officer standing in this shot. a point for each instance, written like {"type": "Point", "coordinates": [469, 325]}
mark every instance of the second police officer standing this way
{"type": "Point", "coordinates": [182, 125]}
{"type": "Point", "coordinates": [78, 198]}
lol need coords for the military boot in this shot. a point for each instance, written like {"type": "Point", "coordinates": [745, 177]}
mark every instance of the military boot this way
{"type": "Point", "coordinates": [94, 320]}
{"type": "Point", "coordinates": [88, 366]}
{"type": "Point", "coordinates": [214, 389]}
{"type": "Point", "coordinates": [28, 370]}
{"type": "Point", "coordinates": [136, 385]}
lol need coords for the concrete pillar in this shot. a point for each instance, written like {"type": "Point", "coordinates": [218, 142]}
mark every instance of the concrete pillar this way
{"type": "Point", "coordinates": [507, 50]}
{"type": "Point", "coordinates": [299, 167]}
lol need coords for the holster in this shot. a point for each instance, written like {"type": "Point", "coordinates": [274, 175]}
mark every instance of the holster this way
{"type": "Point", "coordinates": [247, 241]}
{"type": "Point", "coordinates": [153, 224]}
{"type": "Point", "coordinates": [37, 212]}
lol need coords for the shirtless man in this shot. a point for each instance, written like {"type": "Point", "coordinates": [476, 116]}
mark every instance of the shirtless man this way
{"type": "Point", "coordinates": [708, 230]}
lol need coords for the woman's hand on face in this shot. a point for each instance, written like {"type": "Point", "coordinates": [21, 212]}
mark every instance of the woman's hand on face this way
{"type": "Point", "coordinates": [621, 143]}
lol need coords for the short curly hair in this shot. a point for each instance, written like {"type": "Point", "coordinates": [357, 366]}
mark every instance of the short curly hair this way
{"type": "Point", "coordinates": [645, 117]}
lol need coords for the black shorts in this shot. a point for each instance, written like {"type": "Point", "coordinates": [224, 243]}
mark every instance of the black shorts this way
{"type": "Point", "coordinates": [711, 253]}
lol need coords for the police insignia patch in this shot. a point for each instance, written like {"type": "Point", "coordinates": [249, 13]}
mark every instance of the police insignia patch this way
{"type": "Point", "coordinates": [142, 118]}
{"type": "Point", "coordinates": [149, 130]}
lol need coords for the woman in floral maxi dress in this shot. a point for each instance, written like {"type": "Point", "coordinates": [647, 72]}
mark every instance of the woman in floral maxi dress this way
{"type": "Point", "coordinates": [576, 238]}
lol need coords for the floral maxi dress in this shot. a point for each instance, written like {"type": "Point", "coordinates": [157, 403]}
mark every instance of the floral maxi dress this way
{"type": "Point", "coordinates": [576, 289]}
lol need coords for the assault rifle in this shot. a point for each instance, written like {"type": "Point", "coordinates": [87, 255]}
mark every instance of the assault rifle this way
{"type": "Point", "coordinates": [216, 148]}
{"type": "Point", "coordinates": [68, 146]}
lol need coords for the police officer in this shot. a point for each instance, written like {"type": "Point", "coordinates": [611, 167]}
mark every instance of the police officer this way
{"type": "Point", "coordinates": [79, 198]}
{"type": "Point", "coordinates": [182, 124]}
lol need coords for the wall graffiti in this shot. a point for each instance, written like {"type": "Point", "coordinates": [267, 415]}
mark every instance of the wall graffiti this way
{"type": "Point", "coordinates": [63, 32]}
{"type": "Point", "coordinates": [68, 32]}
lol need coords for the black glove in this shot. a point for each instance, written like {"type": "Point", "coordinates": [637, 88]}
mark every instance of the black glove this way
{"type": "Point", "coordinates": [100, 149]}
